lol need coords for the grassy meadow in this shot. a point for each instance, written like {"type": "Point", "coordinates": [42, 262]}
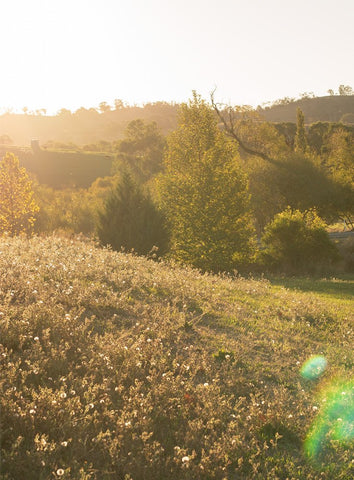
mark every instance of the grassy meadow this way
{"type": "Point", "coordinates": [119, 367]}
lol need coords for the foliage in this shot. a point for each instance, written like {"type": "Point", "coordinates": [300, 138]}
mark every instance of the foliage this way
{"type": "Point", "coordinates": [338, 162]}
{"type": "Point", "coordinates": [298, 181]}
{"type": "Point", "coordinates": [100, 379]}
{"type": "Point", "coordinates": [288, 131]}
{"type": "Point", "coordinates": [259, 135]}
{"type": "Point", "coordinates": [131, 221]}
{"type": "Point", "coordinates": [140, 151]}
{"type": "Point", "coordinates": [17, 205]}
{"type": "Point", "coordinates": [204, 193]}
{"type": "Point", "coordinates": [297, 241]}
{"type": "Point", "coordinates": [345, 90]}
{"type": "Point", "coordinates": [300, 137]}
{"type": "Point", "coordinates": [72, 210]}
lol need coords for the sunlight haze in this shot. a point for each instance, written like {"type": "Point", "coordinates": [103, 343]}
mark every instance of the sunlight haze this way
{"type": "Point", "coordinates": [68, 54]}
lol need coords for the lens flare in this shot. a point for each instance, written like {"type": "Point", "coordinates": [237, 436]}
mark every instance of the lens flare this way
{"type": "Point", "coordinates": [335, 421]}
{"type": "Point", "coordinates": [314, 367]}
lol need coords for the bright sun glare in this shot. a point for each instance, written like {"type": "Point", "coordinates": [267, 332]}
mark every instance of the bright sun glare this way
{"type": "Point", "coordinates": [72, 54]}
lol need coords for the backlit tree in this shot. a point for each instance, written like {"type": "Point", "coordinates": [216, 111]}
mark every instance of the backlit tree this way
{"type": "Point", "coordinates": [17, 205]}
{"type": "Point", "coordinates": [204, 193]}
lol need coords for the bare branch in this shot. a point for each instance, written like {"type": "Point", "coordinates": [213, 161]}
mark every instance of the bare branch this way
{"type": "Point", "coordinates": [229, 127]}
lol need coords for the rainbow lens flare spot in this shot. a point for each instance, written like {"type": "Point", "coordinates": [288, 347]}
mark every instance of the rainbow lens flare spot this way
{"type": "Point", "coordinates": [335, 421]}
{"type": "Point", "coordinates": [314, 367]}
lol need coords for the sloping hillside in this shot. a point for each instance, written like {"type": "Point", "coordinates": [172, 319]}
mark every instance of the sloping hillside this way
{"type": "Point", "coordinates": [334, 108]}
{"type": "Point", "coordinates": [119, 367]}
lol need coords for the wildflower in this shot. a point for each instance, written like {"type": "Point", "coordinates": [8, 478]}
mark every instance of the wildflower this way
{"type": "Point", "coordinates": [63, 395]}
{"type": "Point", "coordinates": [60, 472]}
{"type": "Point", "coordinates": [185, 459]}
{"type": "Point", "coordinates": [36, 339]}
{"type": "Point", "coordinates": [64, 444]}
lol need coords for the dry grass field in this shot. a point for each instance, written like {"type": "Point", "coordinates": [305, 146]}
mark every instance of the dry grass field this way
{"type": "Point", "coordinates": [119, 367]}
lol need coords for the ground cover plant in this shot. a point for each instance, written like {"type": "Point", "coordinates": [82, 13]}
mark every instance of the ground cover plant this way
{"type": "Point", "coordinates": [119, 367]}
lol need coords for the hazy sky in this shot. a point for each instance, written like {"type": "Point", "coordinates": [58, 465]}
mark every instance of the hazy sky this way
{"type": "Point", "coordinates": [73, 53]}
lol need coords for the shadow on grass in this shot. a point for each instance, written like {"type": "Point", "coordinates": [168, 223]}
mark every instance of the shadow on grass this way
{"type": "Point", "coordinates": [341, 287]}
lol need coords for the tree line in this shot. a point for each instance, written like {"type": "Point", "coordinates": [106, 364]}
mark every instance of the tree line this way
{"type": "Point", "coordinates": [207, 193]}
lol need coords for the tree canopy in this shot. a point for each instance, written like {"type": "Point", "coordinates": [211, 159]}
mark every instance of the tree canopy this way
{"type": "Point", "coordinates": [204, 193]}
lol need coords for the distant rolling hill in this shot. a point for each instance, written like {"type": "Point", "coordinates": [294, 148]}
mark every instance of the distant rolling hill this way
{"type": "Point", "coordinates": [89, 126]}
{"type": "Point", "coordinates": [334, 108]}
{"type": "Point", "coordinates": [79, 169]}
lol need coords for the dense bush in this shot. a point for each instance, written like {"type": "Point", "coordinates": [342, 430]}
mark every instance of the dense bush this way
{"type": "Point", "coordinates": [297, 242]}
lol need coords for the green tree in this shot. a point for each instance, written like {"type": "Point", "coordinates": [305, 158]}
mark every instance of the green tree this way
{"type": "Point", "coordinates": [131, 221]}
{"type": "Point", "coordinates": [104, 107]}
{"type": "Point", "coordinates": [300, 137]}
{"type": "Point", "coordinates": [345, 90]}
{"type": "Point", "coordinates": [204, 193]}
{"type": "Point", "coordinates": [141, 151]}
{"type": "Point", "coordinates": [339, 163]}
{"type": "Point", "coordinates": [17, 205]}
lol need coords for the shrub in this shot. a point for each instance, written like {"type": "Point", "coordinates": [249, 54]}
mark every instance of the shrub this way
{"type": "Point", "coordinates": [297, 242]}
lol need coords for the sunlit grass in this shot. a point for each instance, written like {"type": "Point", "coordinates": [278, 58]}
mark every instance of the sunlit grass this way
{"type": "Point", "coordinates": [338, 288]}
{"type": "Point", "coordinates": [120, 367]}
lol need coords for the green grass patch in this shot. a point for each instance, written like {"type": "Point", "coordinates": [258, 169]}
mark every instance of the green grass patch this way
{"type": "Point", "coordinates": [336, 288]}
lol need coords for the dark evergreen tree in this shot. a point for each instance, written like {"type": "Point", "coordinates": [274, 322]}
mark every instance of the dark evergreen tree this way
{"type": "Point", "coordinates": [131, 221]}
{"type": "Point", "coordinates": [300, 137]}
